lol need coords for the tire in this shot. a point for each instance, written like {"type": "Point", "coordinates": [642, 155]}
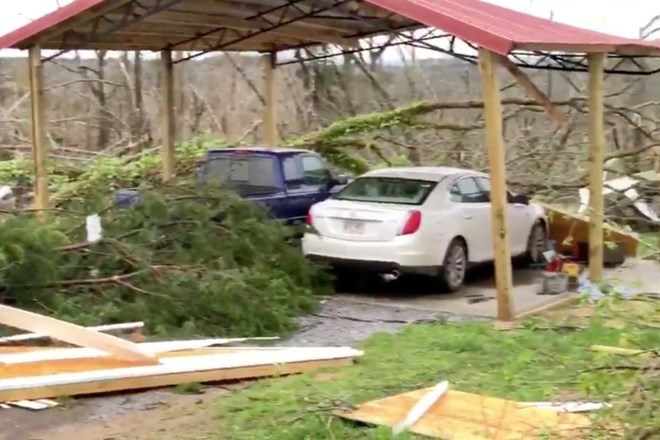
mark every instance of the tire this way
{"type": "Point", "coordinates": [536, 243]}
{"type": "Point", "coordinates": [454, 266]}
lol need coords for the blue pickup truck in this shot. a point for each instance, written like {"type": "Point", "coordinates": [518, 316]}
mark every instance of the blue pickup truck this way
{"type": "Point", "coordinates": [286, 181]}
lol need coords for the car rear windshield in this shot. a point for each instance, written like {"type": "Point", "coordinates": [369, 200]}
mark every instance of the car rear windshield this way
{"type": "Point", "coordinates": [245, 174]}
{"type": "Point", "coordinates": [387, 190]}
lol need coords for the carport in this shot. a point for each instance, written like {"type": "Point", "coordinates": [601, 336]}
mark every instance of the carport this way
{"type": "Point", "coordinates": [503, 38]}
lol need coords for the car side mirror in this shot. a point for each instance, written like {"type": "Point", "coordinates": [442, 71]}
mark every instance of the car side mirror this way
{"type": "Point", "coordinates": [518, 199]}
{"type": "Point", "coordinates": [338, 180]}
{"type": "Point", "coordinates": [341, 179]}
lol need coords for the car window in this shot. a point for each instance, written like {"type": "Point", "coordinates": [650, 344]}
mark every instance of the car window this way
{"type": "Point", "coordinates": [466, 190]}
{"type": "Point", "coordinates": [387, 190]}
{"type": "Point", "coordinates": [293, 174]}
{"type": "Point", "coordinates": [484, 183]}
{"type": "Point", "coordinates": [314, 170]}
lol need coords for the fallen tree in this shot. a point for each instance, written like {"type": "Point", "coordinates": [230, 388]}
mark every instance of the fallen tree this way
{"type": "Point", "coordinates": [186, 260]}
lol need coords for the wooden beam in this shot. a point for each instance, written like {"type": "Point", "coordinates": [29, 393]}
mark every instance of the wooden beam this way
{"type": "Point", "coordinates": [73, 334]}
{"type": "Point", "coordinates": [526, 83]}
{"type": "Point", "coordinates": [498, 199]}
{"type": "Point", "coordinates": [596, 164]}
{"type": "Point", "coordinates": [167, 115]}
{"type": "Point", "coordinates": [193, 24]}
{"type": "Point", "coordinates": [270, 108]}
{"type": "Point", "coordinates": [39, 153]}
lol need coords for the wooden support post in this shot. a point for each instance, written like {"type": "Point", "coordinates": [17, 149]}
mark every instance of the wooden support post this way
{"type": "Point", "coordinates": [498, 199]}
{"type": "Point", "coordinates": [167, 120]}
{"type": "Point", "coordinates": [596, 165]}
{"type": "Point", "coordinates": [270, 108]}
{"type": "Point", "coordinates": [39, 153]}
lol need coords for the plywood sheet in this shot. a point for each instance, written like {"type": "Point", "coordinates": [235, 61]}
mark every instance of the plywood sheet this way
{"type": "Point", "coordinates": [231, 364]}
{"type": "Point", "coordinates": [571, 228]}
{"type": "Point", "coordinates": [467, 416]}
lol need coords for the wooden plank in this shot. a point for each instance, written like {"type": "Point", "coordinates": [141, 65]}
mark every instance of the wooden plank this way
{"type": "Point", "coordinates": [270, 96]}
{"type": "Point", "coordinates": [39, 152]}
{"type": "Point", "coordinates": [498, 199]}
{"type": "Point", "coordinates": [467, 416]}
{"type": "Point", "coordinates": [229, 365]}
{"type": "Point", "coordinates": [526, 83]}
{"type": "Point", "coordinates": [153, 348]}
{"type": "Point", "coordinates": [110, 328]}
{"type": "Point", "coordinates": [73, 334]}
{"type": "Point", "coordinates": [167, 114]}
{"type": "Point", "coordinates": [172, 379]}
{"type": "Point", "coordinates": [618, 350]}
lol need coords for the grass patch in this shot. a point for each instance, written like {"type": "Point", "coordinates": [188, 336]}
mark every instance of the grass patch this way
{"type": "Point", "coordinates": [527, 364]}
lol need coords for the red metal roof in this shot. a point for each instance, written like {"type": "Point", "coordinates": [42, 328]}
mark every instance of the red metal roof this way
{"type": "Point", "coordinates": [44, 23]}
{"type": "Point", "coordinates": [483, 24]}
{"type": "Point", "coordinates": [502, 30]}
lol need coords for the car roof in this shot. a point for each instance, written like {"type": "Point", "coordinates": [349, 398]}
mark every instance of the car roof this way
{"type": "Point", "coordinates": [433, 174]}
{"type": "Point", "coordinates": [258, 149]}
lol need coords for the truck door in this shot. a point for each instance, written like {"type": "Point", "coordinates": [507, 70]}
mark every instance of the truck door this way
{"type": "Point", "coordinates": [316, 178]}
{"type": "Point", "coordinates": [296, 205]}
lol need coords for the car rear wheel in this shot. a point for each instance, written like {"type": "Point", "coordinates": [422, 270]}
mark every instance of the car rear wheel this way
{"type": "Point", "coordinates": [454, 266]}
{"type": "Point", "coordinates": [537, 243]}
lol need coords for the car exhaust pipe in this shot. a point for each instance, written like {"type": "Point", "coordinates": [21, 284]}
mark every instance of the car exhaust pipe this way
{"type": "Point", "coordinates": [392, 276]}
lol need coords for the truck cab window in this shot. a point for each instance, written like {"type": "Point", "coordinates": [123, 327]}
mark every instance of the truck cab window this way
{"type": "Point", "coordinates": [293, 174]}
{"type": "Point", "coordinates": [314, 170]}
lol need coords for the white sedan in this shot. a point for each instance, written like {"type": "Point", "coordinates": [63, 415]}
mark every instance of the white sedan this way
{"type": "Point", "coordinates": [423, 220]}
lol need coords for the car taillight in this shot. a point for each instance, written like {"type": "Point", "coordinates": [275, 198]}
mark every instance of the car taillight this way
{"type": "Point", "coordinates": [309, 220]}
{"type": "Point", "coordinates": [412, 224]}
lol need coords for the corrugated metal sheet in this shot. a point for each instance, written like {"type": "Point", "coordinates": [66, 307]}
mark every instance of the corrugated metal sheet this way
{"type": "Point", "coordinates": [18, 37]}
{"type": "Point", "coordinates": [490, 26]}
{"type": "Point", "coordinates": [499, 29]}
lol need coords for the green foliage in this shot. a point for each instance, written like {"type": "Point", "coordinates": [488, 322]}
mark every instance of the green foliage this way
{"type": "Point", "coordinates": [187, 260]}
{"type": "Point", "coordinates": [342, 143]}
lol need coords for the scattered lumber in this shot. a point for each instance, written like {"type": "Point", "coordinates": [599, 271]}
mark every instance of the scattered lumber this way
{"type": "Point", "coordinates": [41, 379]}
{"type": "Point", "coordinates": [104, 363]}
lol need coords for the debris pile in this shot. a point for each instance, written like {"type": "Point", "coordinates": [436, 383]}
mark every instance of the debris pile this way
{"type": "Point", "coordinates": [106, 363]}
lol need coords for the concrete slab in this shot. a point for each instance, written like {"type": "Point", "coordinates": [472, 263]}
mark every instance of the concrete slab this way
{"type": "Point", "coordinates": [637, 274]}
{"type": "Point", "coordinates": [478, 296]}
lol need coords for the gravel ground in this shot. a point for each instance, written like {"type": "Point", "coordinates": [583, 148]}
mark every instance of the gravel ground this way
{"type": "Point", "coordinates": [341, 323]}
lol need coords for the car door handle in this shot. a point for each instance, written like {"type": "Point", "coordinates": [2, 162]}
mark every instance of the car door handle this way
{"type": "Point", "coordinates": [468, 217]}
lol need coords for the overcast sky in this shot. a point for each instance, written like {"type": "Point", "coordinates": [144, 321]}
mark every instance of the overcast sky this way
{"type": "Point", "coordinates": [618, 17]}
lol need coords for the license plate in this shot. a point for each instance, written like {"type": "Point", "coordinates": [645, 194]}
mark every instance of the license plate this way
{"type": "Point", "coordinates": [354, 227]}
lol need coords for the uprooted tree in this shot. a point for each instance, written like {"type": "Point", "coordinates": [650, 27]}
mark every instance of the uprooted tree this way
{"type": "Point", "coordinates": [186, 259]}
